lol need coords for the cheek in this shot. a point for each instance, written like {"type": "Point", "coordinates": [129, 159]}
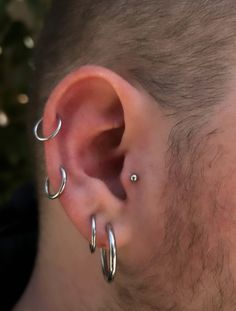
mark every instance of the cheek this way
{"type": "Point", "coordinates": [219, 185]}
{"type": "Point", "coordinates": [224, 199]}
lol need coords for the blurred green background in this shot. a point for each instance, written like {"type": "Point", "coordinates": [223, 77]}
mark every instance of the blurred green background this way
{"type": "Point", "coordinates": [20, 24]}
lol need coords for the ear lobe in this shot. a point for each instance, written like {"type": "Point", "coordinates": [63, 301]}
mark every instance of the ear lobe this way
{"type": "Point", "coordinates": [91, 148]}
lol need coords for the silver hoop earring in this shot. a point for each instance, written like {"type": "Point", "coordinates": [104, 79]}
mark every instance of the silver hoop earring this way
{"type": "Point", "coordinates": [54, 134]}
{"type": "Point", "coordinates": [61, 189]}
{"type": "Point", "coordinates": [92, 244]}
{"type": "Point", "coordinates": [109, 267]}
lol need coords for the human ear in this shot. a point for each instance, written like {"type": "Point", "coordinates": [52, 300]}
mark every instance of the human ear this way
{"type": "Point", "coordinates": [102, 142]}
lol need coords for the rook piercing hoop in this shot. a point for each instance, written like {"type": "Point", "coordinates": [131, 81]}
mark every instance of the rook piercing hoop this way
{"type": "Point", "coordinates": [109, 266]}
{"type": "Point", "coordinates": [40, 138]}
{"type": "Point", "coordinates": [92, 243]}
{"type": "Point", "coordinates": [61, 189]}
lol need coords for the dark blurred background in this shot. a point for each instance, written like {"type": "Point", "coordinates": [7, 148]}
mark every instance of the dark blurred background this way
{"type": "Point", "coordinates": [20, 24]}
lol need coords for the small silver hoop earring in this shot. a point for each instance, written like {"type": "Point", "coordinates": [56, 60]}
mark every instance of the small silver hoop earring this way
{"type": "Point", "coordinates": [109, 267]}
{"type": "Point", "coordinates": [92, 244]}
{"type": "Point", "coordinates": [54, 134]}
{"type": "Point", "coordinates": [61, 189]}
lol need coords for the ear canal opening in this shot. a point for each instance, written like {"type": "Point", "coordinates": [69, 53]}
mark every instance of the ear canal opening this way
{"type": "Point", "coordinates": [108, 163]}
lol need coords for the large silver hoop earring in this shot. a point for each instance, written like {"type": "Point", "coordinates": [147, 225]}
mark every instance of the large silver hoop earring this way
{"type": "Point", "coordinates": [109, 266]}
{"type": "Point", "coordinates": [54, 134]}
{"type": "Point", "coordinates": [61, 189]}
{"type": "Point", "coordinates": [92, 244]}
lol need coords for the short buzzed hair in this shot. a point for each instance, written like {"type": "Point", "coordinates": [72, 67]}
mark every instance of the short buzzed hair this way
{"type": "Point", "coordinates": [182, 52]}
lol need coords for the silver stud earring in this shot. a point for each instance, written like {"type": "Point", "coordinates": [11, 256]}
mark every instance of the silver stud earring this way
{"type": "Point", "coordinates": [134, 178]}
{"type": "Point", "coordinates": [61, 189]}
{"type": "Point", "coordinates": [54, 134]}
{"type": "Point", "coordinates": [109, 265]}
{"type": "Point", "coordinates": [92, 244]}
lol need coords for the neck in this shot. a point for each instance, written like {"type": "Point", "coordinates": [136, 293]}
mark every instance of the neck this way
{"type": "Point", "coordinates": [66, 275]}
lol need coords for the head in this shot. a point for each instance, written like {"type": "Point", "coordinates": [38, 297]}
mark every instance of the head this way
{"type": "Point", "coordinates": [146, 87]}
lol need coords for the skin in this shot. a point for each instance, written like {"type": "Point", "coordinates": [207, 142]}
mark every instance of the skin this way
{"type": "Point", "coordinates": [174, 228]}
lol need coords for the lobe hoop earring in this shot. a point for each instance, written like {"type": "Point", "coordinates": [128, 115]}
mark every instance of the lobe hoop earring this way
{"type": "Point", "coordinates": [61, 189]}
{"type": "Point", "coordinates": [54, 134]}
{"type": "Point", "coordinates": [92, 244]}
{"type": "Point", "coordinates": [109, 267]}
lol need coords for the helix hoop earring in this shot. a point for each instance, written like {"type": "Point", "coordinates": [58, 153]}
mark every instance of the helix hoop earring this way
{"type": "Point", "coordinates": [54, 134]}
{"type": "Point", "coordinates": [61, 189]}
{"type": "Point", "coordinates": [109, 266]}
{"type": "Point", "coordinates": [92, 244]}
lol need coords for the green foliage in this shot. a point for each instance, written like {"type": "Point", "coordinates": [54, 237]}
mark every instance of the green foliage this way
{"type": "Point", "coordinates": [20, 22]}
